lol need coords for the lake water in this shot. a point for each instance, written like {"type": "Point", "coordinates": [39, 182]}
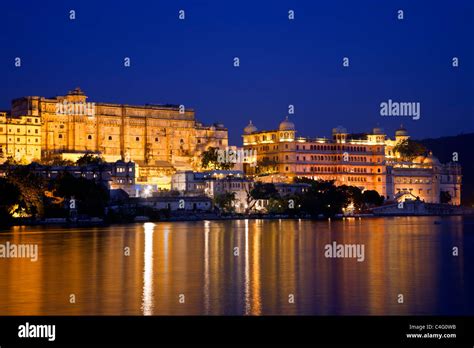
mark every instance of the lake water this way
{"type": "Point", "coordinates": [243, 267]}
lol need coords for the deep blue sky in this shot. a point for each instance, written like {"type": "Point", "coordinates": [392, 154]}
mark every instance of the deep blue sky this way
{"type": "Point", "coordinates": [283, 62]}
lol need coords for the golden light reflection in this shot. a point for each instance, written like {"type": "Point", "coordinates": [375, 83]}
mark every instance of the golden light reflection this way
{"type": "Point", "coordinates": [147, 297]}
{"type": "Point", "coordinates": [207, 230]}
{"type": "Point", "coordinates": [407, 255]}
{"type": "Point", "coordinates": [247, 270]}
{"type": "Point", "coordinates": [256, 273]}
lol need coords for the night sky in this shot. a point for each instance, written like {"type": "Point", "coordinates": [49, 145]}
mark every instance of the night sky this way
{"type": "Point", "coordinates": [282, 62]}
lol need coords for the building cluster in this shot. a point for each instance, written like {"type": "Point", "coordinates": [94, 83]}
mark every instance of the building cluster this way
{"type": "Point", "coordinates": [160, 139]}
{"type": "Point", "coordinates": [217, 182]}
{"type": "Point", "coordinates": [114, 175]}
{"type": "Point", "coordinates": [367, 161]}
{"type": "Point", "coordinates": [151, 148]}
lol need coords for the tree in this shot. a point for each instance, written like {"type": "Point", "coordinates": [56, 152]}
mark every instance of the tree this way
{"type": "Point", "coordinates": [444, 197]}
{"type": "Point", "coordinates": [282, 205]}
{"type": "Point", "coordinates": [225, 201]}
{"type": "Point", "coordinates": [88, 159]}
{"type": "Point", "coordinates": [55, 160]}
{"type": "Point", "coordinates": [9, 197]}
{"type": "Point", "coordinates": [323, 198]}
{"type": "Point", "coordinates": [260, 191]}
{"type": "Point", "coordinates": [372, 198]}
{"type": "Point", "coordinates": [210, 160]}
{"type": "Point", "coordinates": [91, 197]}
{"type": "Point", "coordinates": [409, 149]}
{"type": "Point", "coordinates": [11, 161]}
{"type": "Point", "coordinates": [31, 187]}
{"type": "Point", "coordinates": [354, 196]}
{"type": "Point", "coordinates": [264, 166]}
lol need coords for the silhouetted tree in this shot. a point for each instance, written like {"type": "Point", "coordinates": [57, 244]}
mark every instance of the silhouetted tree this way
{"type": "Point", "coordinates": [91, 197]}
{"type": "Point", "coordinates": [444, 197]}
{"type": "Point", "coordinates": [9, 197]}
{"type": "Point", "coordinates": [31, 187]}
{"type": "Point", "coordinates": [260, 191]}
{"type": "Point", "coordinates": [372, 198]}
{"type": "Point", "coordinates": [210, 160]}
{"type": "Point", "coordinates": [88, 159]}
{"type": "Point", "coordinates": [409, 149]}
{"type": "Point", "coordinates": [225, 201]}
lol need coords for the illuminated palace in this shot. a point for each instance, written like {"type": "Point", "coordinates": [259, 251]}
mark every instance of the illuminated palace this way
{"type": "Point", "coordinates": [160, 139]}
{"type": "Point", "coordinates": [367, 161]}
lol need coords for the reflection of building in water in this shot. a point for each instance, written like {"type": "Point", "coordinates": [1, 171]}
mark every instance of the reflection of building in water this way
{"type": "Point", "coordinates": [159, 138]}
{"type": "Point", "coordinates": [364, 160]}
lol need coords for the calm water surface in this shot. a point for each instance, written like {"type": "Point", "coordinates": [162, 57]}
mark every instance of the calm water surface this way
{"type": "Point", "coordinates": [403, 255]}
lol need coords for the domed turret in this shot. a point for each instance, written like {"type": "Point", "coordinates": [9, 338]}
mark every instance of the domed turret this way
{"type": "Point", "coordinates": [250, 128]}
{"type": "Point", "coordinates": [378, 131]}
{"type": "Point", "coordinates": [339, 130]}
{"type": "Point", "coordinates": [339, 134]}
{"type": "Point", "coordinates": [401, 132]}
{"type": "Point", "coordinates": [286, 125]}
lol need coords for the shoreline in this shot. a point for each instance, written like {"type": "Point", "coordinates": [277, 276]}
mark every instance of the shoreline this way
{"type": "Point", "coordinates": [97, 222]}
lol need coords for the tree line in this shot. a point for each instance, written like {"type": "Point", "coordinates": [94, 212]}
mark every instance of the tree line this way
{"type": "Point", "coordinates": [319, 197]}
{"type": "Point", "coordinates": [25, 193]}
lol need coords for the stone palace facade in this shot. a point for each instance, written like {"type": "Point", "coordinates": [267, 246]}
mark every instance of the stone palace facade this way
{"type": "Point", "coordinates": [160, 139]}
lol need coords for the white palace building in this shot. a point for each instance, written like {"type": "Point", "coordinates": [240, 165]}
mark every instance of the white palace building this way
{"type": "Point", "coordinates": [365, 160]}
